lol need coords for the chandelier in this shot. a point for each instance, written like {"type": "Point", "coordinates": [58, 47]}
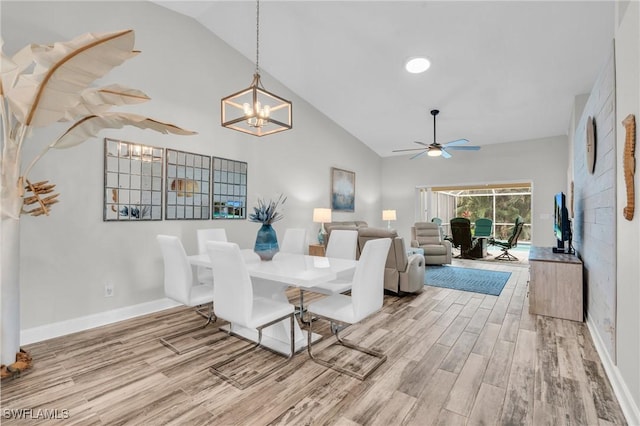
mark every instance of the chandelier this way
{"type": "Point", "coordinates": [254, 110]}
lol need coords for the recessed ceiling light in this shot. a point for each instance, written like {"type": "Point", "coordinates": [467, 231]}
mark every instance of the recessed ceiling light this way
{"type": "Point", "coordinates": [417, 65]}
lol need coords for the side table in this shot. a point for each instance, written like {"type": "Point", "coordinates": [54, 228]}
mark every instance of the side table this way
{"type": "Point", "coordinates": [316, 250]}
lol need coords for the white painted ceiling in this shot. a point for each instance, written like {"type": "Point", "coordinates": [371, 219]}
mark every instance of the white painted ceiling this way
{"type": "Point", "coordinates": [501, 70]}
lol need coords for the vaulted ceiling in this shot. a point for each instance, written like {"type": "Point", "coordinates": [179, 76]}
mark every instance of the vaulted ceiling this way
{"type": "Point", "coordinates": [501, 70]}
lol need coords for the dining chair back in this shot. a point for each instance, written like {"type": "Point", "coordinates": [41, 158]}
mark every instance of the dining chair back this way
{"type": "Point", "coordinates": [204, 235]}
{"type": "Point", "coordinates": [209, 234]}
{"type": "Point", "coordinates": [233, 291]}
{"type": "Point", "coordinates": [180, 286]}
{"type": "Point", "coordinates": [343, 244]}
{"type": "Point", "coordinates": [294, 241]}
{"type": "Point", "coordinates": [367, 290]}
{"type": "Point", "coordinates": [178, 275]}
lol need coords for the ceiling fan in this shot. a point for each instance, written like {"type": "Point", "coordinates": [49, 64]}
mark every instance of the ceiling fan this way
{"type": "Point", "coordinates": [435, 149]}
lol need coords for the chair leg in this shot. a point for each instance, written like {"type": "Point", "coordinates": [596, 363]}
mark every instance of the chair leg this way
{"type": "Point", "coordinates": [236, 355]}
{"type": "Point", "coordinates": [207, 313]}
{"type": "Point", "coordinates": [211, 318]}
{"type": "Point", "coordinates": [505, 255]}
{"type": "Point", "coordinates": [381, 357]}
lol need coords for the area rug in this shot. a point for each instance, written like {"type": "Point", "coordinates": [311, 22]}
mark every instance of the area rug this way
{"type": "Point", "coordinates": [467, 279]}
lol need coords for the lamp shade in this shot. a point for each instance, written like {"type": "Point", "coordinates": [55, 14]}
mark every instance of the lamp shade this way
{"type": "Point", "coordinates": [322, 215]}
{"type": "Point", "coordinates": [388, 215]}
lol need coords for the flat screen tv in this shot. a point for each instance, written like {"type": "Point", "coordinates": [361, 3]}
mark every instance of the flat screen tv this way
{"type": "Point", "coordinates": [561, 224]}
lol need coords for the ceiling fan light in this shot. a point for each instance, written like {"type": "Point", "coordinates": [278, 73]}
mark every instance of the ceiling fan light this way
{"type": "Point", "coordinates": [417, 65]}
{"type": "Point", "coordinates": [434, 152]}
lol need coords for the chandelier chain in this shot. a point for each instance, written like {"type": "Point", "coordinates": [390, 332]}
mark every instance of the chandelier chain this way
{"type": "Point", "coordinates": [257, 36]}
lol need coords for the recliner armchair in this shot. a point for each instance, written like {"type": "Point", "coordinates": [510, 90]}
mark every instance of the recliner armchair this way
{"type": "Point", "coordinates": [461, 237]}
{"type": "Point", "coordinates": [402, 272]}
{"type": "Point", "coordinates": [427, 236]}
{"type": "Point", "coordinates": [483, 228]}
{"type": "Point", "coordinates": [348, 225]}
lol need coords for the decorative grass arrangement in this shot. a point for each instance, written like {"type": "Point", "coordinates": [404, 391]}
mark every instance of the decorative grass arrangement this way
{"type": "Point", "coordinates": [266, 212]}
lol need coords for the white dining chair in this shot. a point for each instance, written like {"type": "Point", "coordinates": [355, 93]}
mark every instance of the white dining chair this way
{"type": "Point", "coordinates": [237, 304]}
{"type": "Point", "coordinates": [367, 292]}
{"type": "Point", "coordinates": [294, 241]}
{"type": "Point", "coordinates": [180, 286]}
{"type": "Point", "coordinates": [342, 245]}
{"type": "Point", "coordinates": [204, 235]}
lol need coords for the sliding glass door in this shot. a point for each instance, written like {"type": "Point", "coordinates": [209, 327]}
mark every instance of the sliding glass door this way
{"type": "Point", "coordinates": [501, 203]}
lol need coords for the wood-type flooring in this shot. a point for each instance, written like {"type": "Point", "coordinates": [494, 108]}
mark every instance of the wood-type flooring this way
{"type": "Point", "coordinates": [454, 358]}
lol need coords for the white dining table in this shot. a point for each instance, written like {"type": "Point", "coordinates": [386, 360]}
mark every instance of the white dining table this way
{"type": "Point", "coordinates": [272, 278]}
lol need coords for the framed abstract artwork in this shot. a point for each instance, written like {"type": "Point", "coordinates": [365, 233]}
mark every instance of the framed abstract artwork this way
{"type": "Point", "coordinates": [132, 181]}
{"type": "Point", "coordinates": [229, 189]}
{"type": "Point", "coordinates": [343, 190]}
{"type": "Point", "coordinates": [188, 188]}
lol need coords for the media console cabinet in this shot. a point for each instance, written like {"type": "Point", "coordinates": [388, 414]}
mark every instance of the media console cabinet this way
{"type": "Point", "coordinates": [555, 284]}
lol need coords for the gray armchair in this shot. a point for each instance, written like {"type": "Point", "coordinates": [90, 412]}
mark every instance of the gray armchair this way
{"type": "Point", "coordinates": [403, 273]}
{"type": "Point", "coordinates": [426, 235]}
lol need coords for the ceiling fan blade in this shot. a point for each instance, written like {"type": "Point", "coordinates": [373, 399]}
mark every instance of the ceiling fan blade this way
{"type": "Point", "coordinates": [445, 154]}
{"type": "Point", "coordinates": [410, 149]}
{"type": "Point", "coordinates": [464, 148]}
{"type": "Point", "coordinates": [456, 142]}
{"type": "Point", "coordinates": [421, 143]}
{"type": "Point", "coordinates": [420, 154]}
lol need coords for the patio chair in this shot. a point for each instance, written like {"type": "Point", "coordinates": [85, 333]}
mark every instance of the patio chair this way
{"type": "Point", "coordinates": [461, 237]}
{"type": "Point", "coordinates": [510, 243]}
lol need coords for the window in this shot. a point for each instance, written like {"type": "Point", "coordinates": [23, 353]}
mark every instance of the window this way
{"type": "Point", "coordinates": [500, 203]}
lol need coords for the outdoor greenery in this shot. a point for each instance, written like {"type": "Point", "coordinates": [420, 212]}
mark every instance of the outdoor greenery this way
{"type": "Point", "coordinates": [509, 203]}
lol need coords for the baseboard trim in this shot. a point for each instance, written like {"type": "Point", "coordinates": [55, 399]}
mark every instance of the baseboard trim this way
{"type": "Point", "coordinates": [628, 405]}
{"type": "Point", "coordinates": [62, 328]}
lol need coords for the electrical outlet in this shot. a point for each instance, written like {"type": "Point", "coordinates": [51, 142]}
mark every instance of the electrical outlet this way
{"type": "Point", "coordinates": [108, 289]}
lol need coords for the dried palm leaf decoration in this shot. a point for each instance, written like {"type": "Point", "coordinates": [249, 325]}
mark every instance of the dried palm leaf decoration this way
{"type": "Point", "coordinates": [44, 84]}
{"type": "Point", "coordinates": [41, 85]}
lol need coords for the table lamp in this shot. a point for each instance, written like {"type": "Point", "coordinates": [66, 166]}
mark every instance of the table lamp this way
{"type": "Point", "coordinates": [388, 215]}
{"type": "Point", "coordinates": [321, 216]}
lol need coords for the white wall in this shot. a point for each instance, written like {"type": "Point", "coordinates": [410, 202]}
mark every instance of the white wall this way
{"type": "Point", "coordinates": [68, 256]}
{"type": "Point", "coordinates": [627, 52]}
{"type": "Point", "coordinates": [542, 162]}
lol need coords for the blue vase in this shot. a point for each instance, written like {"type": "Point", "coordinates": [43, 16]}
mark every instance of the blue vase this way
{"type": "Point", "coordinates": [266, 242]}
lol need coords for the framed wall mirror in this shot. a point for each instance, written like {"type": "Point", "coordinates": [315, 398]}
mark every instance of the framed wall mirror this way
{"type": "Point", "coordinates": [229, 189]}
{"type": "Point", "coordinates": [132, 181]}
{"type": "Point", "coordinates": [187, 186]}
